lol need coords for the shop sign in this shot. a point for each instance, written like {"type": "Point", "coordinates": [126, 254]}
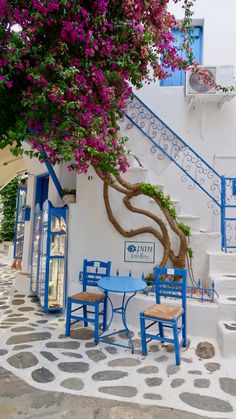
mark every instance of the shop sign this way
{"type": "Point", "coordinates": [143, 252]}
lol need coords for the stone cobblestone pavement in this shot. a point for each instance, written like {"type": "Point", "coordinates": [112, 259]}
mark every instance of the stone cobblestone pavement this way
{"type": "Point", "coordinates": [33, 347]}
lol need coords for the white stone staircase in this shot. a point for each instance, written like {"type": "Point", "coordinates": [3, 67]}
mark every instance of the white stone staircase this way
{"type": "Point", "coordinates": [222, 269]}
{"type": "Point", "coordinates": [201, 241]}
{"type": "Point", "coordinates": [209, 262]}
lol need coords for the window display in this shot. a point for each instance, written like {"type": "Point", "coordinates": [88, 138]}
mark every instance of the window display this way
{"type": "Point", "coordinates": [36, 247]}
{"type": "Point", "coordinates": [52, 257]}
{"type": "Point", "coordinates": [20, 222]}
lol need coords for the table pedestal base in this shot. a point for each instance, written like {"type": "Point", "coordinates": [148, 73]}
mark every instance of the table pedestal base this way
{"type": "Point", "coordinates": [122, 311]}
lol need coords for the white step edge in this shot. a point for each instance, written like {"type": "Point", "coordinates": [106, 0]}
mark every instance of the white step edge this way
{"type": "Point", "coordinates": [226, 337]}
{"type": "Point", "coordinates": [226, 308]}
{"type": "Point", "coordinates": [225, 285]}
{"type": "Point", "coordinates": [192, 221]}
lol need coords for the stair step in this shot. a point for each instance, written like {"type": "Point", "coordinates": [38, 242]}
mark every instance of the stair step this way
{"type": "Point", "coordinates": [191, 220]}
{"type": "Point", "coordinates": [136, 174]}
{"type": "Point", "coordinates": [227, 307]}
{"type": "Point", "coordinates": [176, 204]}
{"type": "Point", "coordinates": [228, 300]}
{"type": "Point", "coordinates": [222, 263]}
{"type": "Point", "coordinates": [226, 336]}
{"type": "Point", "coordinates": [225, 285]}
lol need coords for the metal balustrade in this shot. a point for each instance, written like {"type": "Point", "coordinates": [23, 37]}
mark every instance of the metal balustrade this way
{"type": "Point", "coordinates": [168, 145]}
{"type": "Point", "coordinates": [198, 292]}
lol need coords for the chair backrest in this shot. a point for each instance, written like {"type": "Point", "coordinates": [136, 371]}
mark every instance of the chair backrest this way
{"type": "Point", "coordinates": [93, 270]}
{"type": "Point", "coordinates": [171, 283]}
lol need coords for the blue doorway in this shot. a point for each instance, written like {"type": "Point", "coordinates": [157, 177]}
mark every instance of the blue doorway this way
{"type": "Point", "coordinates": [41, 190]}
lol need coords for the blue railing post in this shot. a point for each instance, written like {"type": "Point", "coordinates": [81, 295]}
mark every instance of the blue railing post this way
{"type": "Point", "coordinates": [212, 291]}
{"type": "Point", "coordinates": [222, 221]}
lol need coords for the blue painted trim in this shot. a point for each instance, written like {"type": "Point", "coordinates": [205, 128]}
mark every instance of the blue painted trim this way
{"type": "Point", "coordinates": [37, 213]}
{"type": "Point", "coordinates": [27, 210]}
{"type": "Point", "coordinates": [44, 295]}
{"type": "Point", "coordinates": [38, 189]}
{"type": "Point", "coordinates": [17, 222]}
{"type": "Point", "coordinates": [52, 174]}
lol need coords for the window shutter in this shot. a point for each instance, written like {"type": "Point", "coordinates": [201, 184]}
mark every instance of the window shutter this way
{"type": "Point", "coordinates": [178, 77]}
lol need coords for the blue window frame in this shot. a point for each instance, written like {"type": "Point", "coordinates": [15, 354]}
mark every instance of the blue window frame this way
{"type": "Point", "coordinates": [20, 222]}
{"type": "Point", "coordinates": [41, 192]}
{"type": "Point", "coordinates": [178, 77]}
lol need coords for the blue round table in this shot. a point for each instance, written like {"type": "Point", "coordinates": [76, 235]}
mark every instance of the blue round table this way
{"type": "Point", "coordinates": [122, 285]}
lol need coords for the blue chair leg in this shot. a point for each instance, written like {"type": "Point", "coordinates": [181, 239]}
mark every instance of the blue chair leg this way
{"type": "Point", "coordinates": [176, 343]}
{"type": "Point", "coordinates": [161, 331]}
{"type": "Point", "coordinates": [85, 315]}
{"type": "Point", "coordinates": [68, 313]}
{"type": "Point", "coordinates": [104, 326]}
{"type": "Point", "coordinates": [184, 331]}
{"type": "Point", "coordinates": [96, 323]}
{"type": "Point", "coordinates": [143, 335]}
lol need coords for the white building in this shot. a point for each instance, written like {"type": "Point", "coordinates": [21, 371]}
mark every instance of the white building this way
{"type": "Point", "coordinates": [207, 124]}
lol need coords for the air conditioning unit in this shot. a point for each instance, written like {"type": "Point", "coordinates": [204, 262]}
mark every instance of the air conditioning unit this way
{"type": "Point", "coordinates": [223, 75]}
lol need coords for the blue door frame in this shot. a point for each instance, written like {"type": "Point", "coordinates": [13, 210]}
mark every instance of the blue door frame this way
{"type": "Point", "coordinates": [228, 213]}
{"type": "Point", "coordinates": [45, 239]}
{"type": "Point", "coordinates": [20, 222]}
{"type": "Point", "coordinates": [41, 195]}
{"type": "Point", "coordinates": [41, 189]}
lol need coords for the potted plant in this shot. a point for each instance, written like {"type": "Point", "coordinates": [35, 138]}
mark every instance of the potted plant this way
{"type": "Point", "coordinates": [68, 196]}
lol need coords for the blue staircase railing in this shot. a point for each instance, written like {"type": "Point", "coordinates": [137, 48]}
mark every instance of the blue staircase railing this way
{"type": "Point", "coordinates": [220, 190]}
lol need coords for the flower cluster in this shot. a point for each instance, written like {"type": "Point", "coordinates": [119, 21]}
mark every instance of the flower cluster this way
{"type": "Point", "coordinates": [65, 73]}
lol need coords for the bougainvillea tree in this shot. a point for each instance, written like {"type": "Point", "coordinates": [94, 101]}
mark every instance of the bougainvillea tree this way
{"type": "Point", "coordinates": [66, 70]}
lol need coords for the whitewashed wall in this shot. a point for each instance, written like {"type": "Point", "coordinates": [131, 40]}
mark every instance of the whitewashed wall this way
{"type": "Point", "coordinates": [210, 131]}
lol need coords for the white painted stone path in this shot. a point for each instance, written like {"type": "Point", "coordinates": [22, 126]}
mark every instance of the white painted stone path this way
{"type": "Point", "coordinates": [33, 347]}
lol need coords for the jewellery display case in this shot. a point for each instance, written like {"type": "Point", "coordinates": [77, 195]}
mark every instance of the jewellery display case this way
{"type": "Point", "coordinates": [20, 222]}
{"type": "Point", "coordinates": [52, 258]}
{"type": "Point", "coordinates": [35, 250]}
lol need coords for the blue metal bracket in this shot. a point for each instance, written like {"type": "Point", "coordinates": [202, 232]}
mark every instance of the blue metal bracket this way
{"type": "Point", "coordinates": [234, 187]}
{"type": "Point", "coordinates": [52, 173]}
{"type": "Point", "coordinates": [26, 212]}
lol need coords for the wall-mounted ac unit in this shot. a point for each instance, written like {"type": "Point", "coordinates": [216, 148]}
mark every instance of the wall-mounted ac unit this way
{"type": "Point", "coordinates": [223, 75]}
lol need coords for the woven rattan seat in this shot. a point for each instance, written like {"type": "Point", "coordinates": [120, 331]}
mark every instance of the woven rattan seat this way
{"type": "Point", "coordinates": [162, 311]}
{"type": "Point", "coordinates": [89, 307]}
{"type": "Point", "coordinates": [88, 296]}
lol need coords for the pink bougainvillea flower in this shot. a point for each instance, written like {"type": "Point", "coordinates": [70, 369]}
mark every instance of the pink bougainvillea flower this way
{"type": "Point", "coordinates": [66, 73]}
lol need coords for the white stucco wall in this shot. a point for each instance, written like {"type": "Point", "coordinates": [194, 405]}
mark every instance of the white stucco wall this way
{"type": "Point", "coordinates": [210, 131]}
{"type": "Point", "coordinates": [207, 129]}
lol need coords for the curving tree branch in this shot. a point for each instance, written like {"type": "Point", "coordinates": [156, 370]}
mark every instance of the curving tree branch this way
{"type": "Point", "coordinates": [131, 190]}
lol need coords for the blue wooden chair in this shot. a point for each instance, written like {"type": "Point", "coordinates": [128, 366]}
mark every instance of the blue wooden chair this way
{"type": "Point", "coordinates": [93, 270]}
{"type": "Point", "coordinates": [166, 316]}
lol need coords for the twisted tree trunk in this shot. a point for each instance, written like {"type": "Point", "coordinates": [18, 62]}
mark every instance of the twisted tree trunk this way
{"type": "Point", "coordinates": [131, 190]}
